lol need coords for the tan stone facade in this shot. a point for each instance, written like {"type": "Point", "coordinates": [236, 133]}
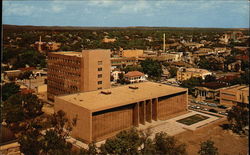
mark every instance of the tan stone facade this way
{"type": "Point", "coordinates": [234, 94]}
{"type": "Point", "coordinates": [102, 115]}
{"type": "Point", "coordinates": [71, 72]}
{"type": "Point", "coordinates": [131, 53]}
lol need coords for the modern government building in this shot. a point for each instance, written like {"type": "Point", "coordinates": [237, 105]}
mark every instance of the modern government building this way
{"type": "Point", "coordinates": [103, 113]}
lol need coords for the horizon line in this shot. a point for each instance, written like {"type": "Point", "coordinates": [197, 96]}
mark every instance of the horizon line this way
{"type": "Point", "coordinates": [125, 26]}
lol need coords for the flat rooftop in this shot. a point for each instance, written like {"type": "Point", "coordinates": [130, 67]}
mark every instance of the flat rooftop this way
{"type": "Point", "coordinates": [122, 95]}
{"type": "Point", "coordinates": [69, 53]}
{"type": "Point", "coordinates": [77, 54]}
{"type": "Point", "coordinates": [237, 88]}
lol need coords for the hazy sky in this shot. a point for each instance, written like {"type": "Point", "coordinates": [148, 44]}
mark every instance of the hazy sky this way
{"type": "Point", "coordinates": [170, 13]}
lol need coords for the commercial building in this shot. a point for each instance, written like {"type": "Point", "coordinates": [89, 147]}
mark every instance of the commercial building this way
{"type": "Point", "coordinates": [187, 73]}
{"type": "Point", "coordinates": [103, 113]}
{"type": "Point", "coordinates": [131, 53]}
{"type": "Point", "coordinates": [135, 76]}
{"type": "Point", "coordinates": [123, 62]}
{"type": "Point", "coordinates": [234, 94]}
{"type": "Point", "coordinates": [71, 72]}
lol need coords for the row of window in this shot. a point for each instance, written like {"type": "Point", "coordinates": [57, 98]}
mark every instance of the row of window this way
{"type": "Point", "coordinates": [56, 77]}
{"type": "Point", "coordinates": [65, 73]}
{"type": "Point", "coordinates": [67, 67]}
{"type": "Point", "coordinates": [65, 60]}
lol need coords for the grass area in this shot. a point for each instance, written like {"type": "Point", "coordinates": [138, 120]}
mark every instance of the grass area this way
{"type": "Point", "coordinates": [192, 119]}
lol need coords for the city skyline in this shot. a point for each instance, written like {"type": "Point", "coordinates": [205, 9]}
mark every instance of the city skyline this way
{"type": "Point", "coordinates": [110, 13]}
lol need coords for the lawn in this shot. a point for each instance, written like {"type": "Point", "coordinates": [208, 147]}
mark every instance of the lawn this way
{"type": "Point", "coordinates": [192, 119]}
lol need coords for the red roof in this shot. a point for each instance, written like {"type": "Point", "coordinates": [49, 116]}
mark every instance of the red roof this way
{"type": "Point", "coordinates": [27, 69]}
{"type": "Point", "coordinates": [26, 91]}
{"type": "Point", "coordinates": [242, 57]}
{"type": "Point", "coordinates": [228, 78]}
{"type": "Point", "coordinates": [134, 74]}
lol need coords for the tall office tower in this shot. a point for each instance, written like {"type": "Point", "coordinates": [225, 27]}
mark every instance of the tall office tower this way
{"type": "Point", "coordinates": [71, 72]}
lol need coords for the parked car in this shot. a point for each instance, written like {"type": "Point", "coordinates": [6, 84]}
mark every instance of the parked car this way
{"type": "Point", "coordinates": [222, 107]}
{"type": "Point", "coordinates": [213, 110]}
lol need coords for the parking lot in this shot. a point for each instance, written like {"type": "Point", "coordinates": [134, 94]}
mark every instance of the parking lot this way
{"type": "Point", "coordinates": [210, 107]}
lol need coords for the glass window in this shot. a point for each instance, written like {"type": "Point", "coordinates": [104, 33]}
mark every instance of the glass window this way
{"type": "Point", "coordinates": [99, 82]}
{"type": "Point", "coordinates": [99, 75]}
{"type": "Point", "coordinates": [99, 62]}
{"type": "Point", "coordinates": [100, 69]}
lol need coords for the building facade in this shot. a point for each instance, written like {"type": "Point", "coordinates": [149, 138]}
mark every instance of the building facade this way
{"type": "Point", "coordinates": [71, 72]}
{"type": "Point", "coordinates": [131, 53]}
{"type": "Point", "coordinates": [103, 113]}
{"type": "Point", "coordinates": [186, 73]}
{"type": "Point", "coordinates": [234, 94]}
{"type": "Point", "coordinates": [135, 76]}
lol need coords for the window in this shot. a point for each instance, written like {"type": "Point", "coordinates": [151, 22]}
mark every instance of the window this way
{"type": "Point", "coordinates": [99, 88]}
{"type": "Point", "coordinates": [99, 75]}
{"type": "Point", "coordinates": [99, 62]}
{"type": "Point", "coordinates": [99, 82]}
{"type": "Point", "coordinates": [100, 69]}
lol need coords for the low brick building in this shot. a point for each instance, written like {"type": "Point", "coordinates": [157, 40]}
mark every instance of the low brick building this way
{"type": "Point", "coordinates": [234, 94]}
{"type": "Point", "coordinates": [103, 113]}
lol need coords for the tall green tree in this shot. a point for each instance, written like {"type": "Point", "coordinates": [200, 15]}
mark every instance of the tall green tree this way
{"type": "Point", "coordinates": [152, 67]}
{"type": "Point", "coordinates": [208, 148]}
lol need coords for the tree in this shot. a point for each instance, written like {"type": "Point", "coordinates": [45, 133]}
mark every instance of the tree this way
{"type": "Point", "coordinates": [9, 89]}
{"type": "Point", "coordinates": [152, 67]}
{"type": "Point", "coordinates": [208, 148]}
{"type": "Point", "coordinates": [168, 145]}
{"type": "Point", "coordinates": [191, 83]}
{"type": "Point", "coordinates": [210, 78]}
{"type": "Point", "coordinates": [19, 107]}
{"type": "Point", "coordinates": [125, 142]}
{"type": "Point", "coordinates": [34, 140]}
{"type": "Point", "coordinates": [132, 68]}
{"type": "Point", "coordinates": [238, 117]}
{"type": "Point", "coordinates": [173, 71]}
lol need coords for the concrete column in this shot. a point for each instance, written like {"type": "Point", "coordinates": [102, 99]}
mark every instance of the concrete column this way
{"type": "Point", "coordinates": [142, 112]}
{"type": "Point", "coordinates": [149, 111]}
{"type": "Point", "coordinates": [136, 116]}
{"type": "Point", "coordinates": [155, 109]}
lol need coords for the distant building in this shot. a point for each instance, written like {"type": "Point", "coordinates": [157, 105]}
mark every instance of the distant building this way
{"type": "Point", "coordinates": [71, 72]}
{"type": "Point", "coordinates": [102, 114]}
{"type": "Point", "coordinates": [135, 76]}
{"type": "Point", "coordinates": [115, 74]}
{"type": "Point", "coordinates": [108, 40]}
{"type": "Point", "coordinates": [187, 73]}
{"type": "Point", "coordinates": [131, 53]}
{"type": "Point", "coordinates": [234, 94]}
{"type": "Point", "coordinates": [53, 46]}
{"type": "Point", "coordinates": [123, 62]}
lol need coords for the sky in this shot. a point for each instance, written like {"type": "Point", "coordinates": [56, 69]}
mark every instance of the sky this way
{"type": "Point", "coordinates": [123, 13]}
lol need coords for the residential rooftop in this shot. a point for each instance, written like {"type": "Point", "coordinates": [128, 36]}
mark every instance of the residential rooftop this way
{"type": "Point", "coordinates": [237, 88]}
{"type": "Point", "coordinates": [119, 96]}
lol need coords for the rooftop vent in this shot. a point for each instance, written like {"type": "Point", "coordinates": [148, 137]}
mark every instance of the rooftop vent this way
{"type": "Point", "coordinates": [133, 87]}
{"type": "Point", "coordinates": [106, 92]}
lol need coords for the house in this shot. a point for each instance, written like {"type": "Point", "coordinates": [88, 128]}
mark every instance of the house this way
{"type": "Point", "coordinates": [115, 74]}
{"type": "Point", "coordinates": [135, 76]}
{"type": "Point", "coordinates": [187, 73]}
